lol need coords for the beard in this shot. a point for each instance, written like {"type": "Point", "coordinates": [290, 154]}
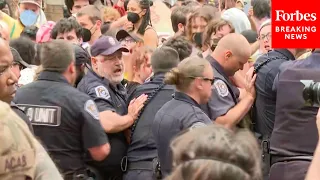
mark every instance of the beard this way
{"type": "Point", "coordinates": [78, 79]}
{"type": "Point", "coordinates": [112, 79]}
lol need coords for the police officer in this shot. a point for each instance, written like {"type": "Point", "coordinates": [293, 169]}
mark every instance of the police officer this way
{"type": "Point", "coordinates": [193, 79]}
{"type": "Point", "coordinates": [295, 136]}
{"type": "Point", "coordinates": [228, 104]}
{"type": "Point", "coordinates": [65, 120]}
{"type": "Point", "coordinates": [82, 58]}
{"type": "Point", "coordinates": [22, 155]}
{"type": "Point", "coordinates": [142, 151]}
{"type": "Point", "coordinates": [8, 80]}
{"type": "Point", "coordinates": [103, 84]}
{"type": "Point", "coordinates": [266, 68]}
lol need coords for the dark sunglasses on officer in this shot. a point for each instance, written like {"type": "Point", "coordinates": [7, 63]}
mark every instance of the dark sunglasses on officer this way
{"type": "Point", "coordinates": [203, 78]}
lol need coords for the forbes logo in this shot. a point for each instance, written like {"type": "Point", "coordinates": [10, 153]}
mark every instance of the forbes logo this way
{"type": "Point", "coordinates": [296, 16]}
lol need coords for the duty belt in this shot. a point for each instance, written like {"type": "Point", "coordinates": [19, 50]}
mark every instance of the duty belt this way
{"type": "Point", "coordinates": [153, 166]}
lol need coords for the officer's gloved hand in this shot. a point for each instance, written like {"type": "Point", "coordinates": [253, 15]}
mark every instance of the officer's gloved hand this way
{"type": "Point", "coordinates": [250, 83]}
{"type": "Point", "coordinates": [136, 105]}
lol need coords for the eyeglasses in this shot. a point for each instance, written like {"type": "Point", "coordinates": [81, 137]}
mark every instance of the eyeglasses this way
{"type": "Point", "coordinates": [263, 36]}
{"type": "Point", "coordinates": [203, 78]}
{"type": "Point", "coordinates": [127, 40]}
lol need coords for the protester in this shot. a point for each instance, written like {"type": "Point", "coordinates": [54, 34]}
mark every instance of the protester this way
{"type": "Point", "coordinates": [196, 25]}
{"type": "Point", "coordinates": [139, 18]}
{"type": "Point", "coordinates": [90, 20]}
{"type": "Point", "coordinates": [30, 32]}
{"type": "Point", "coordinates": [69, 30]}
{"type": "Point", "coordinates": [4, 31]}
{"type": "Point", "coordinates": [215, 30]}
{"type": "Point", "coordinates": [131, 41]}
{"type": "Point", "coordinates": [74, 6]}
{"type": "Point", "coordinates": [209, 151]}
{"type": "Point", "coordinates": [179, 19]}
{"type": "Point", "coordinates": [141, 67]}
{"type": "Point", "coordinates": [43, 34]}
{"type": "Point", "coordinates": [110, 15]}
{"type": "Point", "coordinates": [28, 12]}
{"type": "Point", "coordinates": [181, 45]}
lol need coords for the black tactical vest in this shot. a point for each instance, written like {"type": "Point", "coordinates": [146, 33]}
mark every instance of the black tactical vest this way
{"type": "Point", "coordinates": [295, 131]}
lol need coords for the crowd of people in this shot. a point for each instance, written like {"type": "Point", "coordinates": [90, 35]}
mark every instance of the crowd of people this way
{"type": "Point", "coordinates": [104, 94]}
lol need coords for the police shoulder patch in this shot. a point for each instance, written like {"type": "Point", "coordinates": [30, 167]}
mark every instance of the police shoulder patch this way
{"type": "Point", "coordinates": [91, 108]}
{"type": "Point", "coordinates": [102, 92]}
{"type": "Point", "coordinates": [221, 88]}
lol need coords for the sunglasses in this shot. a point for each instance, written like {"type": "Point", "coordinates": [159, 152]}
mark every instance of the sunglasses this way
{"type": "Point", "coordinates": [203, 78]}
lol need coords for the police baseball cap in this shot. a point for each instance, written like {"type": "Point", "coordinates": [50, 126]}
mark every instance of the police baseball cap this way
{"type": "Point", "coordinates": [122, 34]}
{"type": "Point", "coordinates": [82, 57]}
{"type": "Point", "coordinates": [106, 45]}
{"type": "Point", "coordinates": [36, 2]}
{"type": "Point", "coordinates": [17, 58]}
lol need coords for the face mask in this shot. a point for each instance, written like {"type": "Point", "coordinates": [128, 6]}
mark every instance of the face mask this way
{"type": "Point", "coordinates": [28, 18]}
{"type": "Point", "coordinates": [214, 43]}
{"type": "Point", "coordinates": [133, 17]}
{"type": "Point", "coordinates": [86, 35]}
{"type": "Point", "coordinates": [197, 38]}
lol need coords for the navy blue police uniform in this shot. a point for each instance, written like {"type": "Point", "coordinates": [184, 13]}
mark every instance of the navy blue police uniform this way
{"type": "Point", "coordinates": [65, 120]}
{"type": "Point", "coordinates": [224, 94]}
{"type": "Point", "coordinates": [267, 68]}
{"type": "Point", "coordinates": [264, 108]}
{"type": "Point", "coordinates": [180, 113]}
{"type": "Point", "coordinates": [142, 152]}
{"type": "Point", "coordinates": [113, 98]}
{"type": "Point", "coordinates": [295, 136]}
{"type": "Point", "coordinates": [22, 115]}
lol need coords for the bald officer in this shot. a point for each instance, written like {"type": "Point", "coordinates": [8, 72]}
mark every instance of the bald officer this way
{"type": "Point", "coordinates": [228, 104]}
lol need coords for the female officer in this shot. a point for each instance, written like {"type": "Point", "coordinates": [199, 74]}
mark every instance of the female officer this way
{"type": "Point", "coordinates": [140, 16]}
{"type": "Point", "coordinates": [193, 79]}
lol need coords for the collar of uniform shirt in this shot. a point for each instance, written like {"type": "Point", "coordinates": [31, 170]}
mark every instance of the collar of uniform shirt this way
{"type": "Point", "coordinates": [52, 76]}
{"type": "Point", "coordinates": [214, 63]}
{"type": "Point", "coordinates": [286, 53]}
{"type": "Point", "coordinates": [184, 97]}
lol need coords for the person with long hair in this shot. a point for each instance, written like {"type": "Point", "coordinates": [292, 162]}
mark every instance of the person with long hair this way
{"type": "Point", "coordinates": [139, 17]}
{"type": "Point", "coordinates": [197, 23]}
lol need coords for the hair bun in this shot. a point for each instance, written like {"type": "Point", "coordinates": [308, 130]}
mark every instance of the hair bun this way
{"type": "Point", "coordinates": [172, 77]}
{"type": "Point", "coordinates": [150, 3]}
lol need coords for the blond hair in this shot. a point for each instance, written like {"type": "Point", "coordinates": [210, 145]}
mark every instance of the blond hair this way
{"type": "Point", "coordinates": [181, 76]}
{"type": "Point", "coordinates": [109, 13]}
